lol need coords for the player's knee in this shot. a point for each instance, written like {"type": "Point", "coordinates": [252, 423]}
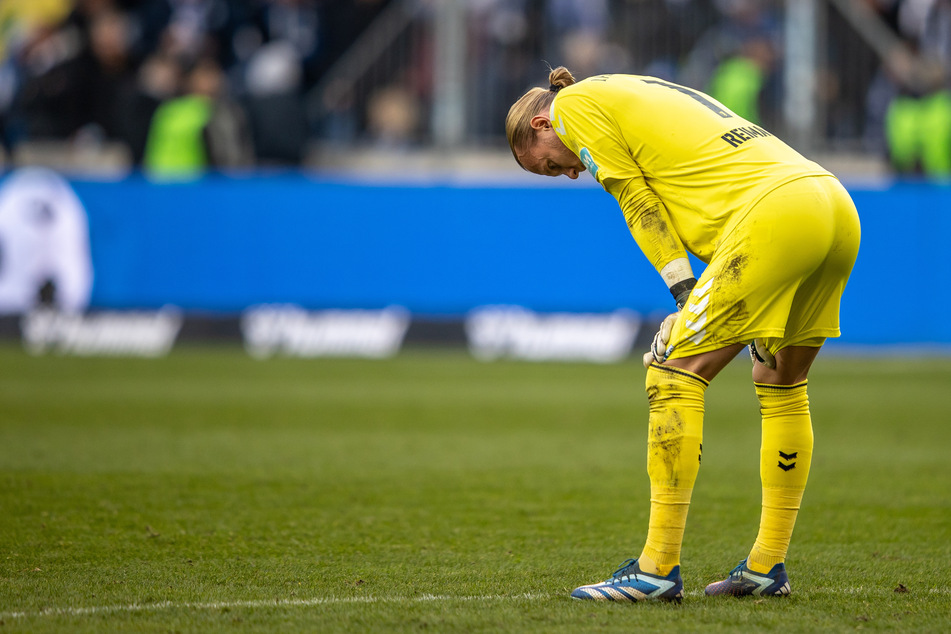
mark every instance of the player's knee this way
{"type": "Point", "coordinates": [792, 363]}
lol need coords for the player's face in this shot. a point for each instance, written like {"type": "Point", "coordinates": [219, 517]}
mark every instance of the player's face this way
{"type": "Point", "coordinates": [548, 156]}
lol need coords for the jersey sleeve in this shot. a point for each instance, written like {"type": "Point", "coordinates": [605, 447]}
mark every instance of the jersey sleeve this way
{"type": "Point", "coordinates": [588, 132]}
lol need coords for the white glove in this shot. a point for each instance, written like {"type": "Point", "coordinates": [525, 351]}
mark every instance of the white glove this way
{"type": "Point", "coordinates": [658, 351]}
{"type": "Point", "coordinates": [758, 352]}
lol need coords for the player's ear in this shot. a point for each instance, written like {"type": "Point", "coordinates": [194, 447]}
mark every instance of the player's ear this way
{"type": "Point", "coordinates": [540, 122]}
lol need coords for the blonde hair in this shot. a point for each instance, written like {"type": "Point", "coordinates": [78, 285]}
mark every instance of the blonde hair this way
{"type": "Point", "coordinates": [518, 123]}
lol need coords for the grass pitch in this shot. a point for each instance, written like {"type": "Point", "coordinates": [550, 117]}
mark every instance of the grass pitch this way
{"type": "Point", "coordinates": [211, 492]}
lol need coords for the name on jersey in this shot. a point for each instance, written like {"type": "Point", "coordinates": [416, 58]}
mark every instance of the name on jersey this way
{"type": "Point", "coordinates": [738, 136]}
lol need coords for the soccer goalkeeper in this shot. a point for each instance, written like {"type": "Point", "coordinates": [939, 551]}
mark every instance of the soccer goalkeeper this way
{"type": "Point", "coordinates": [779, 235]}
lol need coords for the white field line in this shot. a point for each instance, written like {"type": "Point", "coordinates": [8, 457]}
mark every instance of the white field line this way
{"type": "Point", "coordinates": [260, 603]}
{"type": "Point", "coordinates": [279, 603]}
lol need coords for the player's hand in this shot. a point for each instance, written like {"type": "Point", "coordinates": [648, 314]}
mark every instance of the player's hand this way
{"type": "Point", "coordinates": [658, 352]}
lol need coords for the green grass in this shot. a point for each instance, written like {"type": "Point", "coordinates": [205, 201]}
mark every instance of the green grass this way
{"type": "Point", "coordinates": [211, 492]}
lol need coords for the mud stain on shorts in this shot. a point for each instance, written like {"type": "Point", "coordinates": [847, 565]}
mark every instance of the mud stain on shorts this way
{"type": "Point", "coordinates": [735, 314]}
{"type": "Point", "coordinates": [733, 270]}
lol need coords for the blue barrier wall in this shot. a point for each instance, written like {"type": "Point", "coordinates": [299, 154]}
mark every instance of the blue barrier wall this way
{"type": "Point", "coordinates": [221, 244]}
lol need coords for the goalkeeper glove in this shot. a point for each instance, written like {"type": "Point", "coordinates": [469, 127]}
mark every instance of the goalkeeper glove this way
{"type": "Point", "coordinates": [680, 291]}
{"type": "Point", "coordinates": [659, 351]}
{"type": "Point", "coordinates": [758, 352]}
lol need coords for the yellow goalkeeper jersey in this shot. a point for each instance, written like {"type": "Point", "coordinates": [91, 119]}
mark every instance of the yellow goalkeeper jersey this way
{"type": "Point", "coordinates": [682, 166]}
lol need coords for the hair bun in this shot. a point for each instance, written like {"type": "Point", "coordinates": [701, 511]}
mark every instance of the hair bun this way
{"type": "Point", "coordinates": [559, 78]}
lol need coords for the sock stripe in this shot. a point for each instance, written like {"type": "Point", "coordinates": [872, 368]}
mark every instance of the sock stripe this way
{"type": "Point", "coordinates": [686, 373]}
{"type": "Point", "coordinates": [767, 386]}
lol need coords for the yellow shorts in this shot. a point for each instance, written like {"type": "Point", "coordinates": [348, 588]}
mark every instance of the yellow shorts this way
{"type": "Point", "coordinates": [778, 274]}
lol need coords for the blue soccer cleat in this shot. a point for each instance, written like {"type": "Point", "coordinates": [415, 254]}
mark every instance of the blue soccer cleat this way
{"type": "Point", "coordinates": [743, 582]}
{"type": "Point", "coordinates": [629, 583]}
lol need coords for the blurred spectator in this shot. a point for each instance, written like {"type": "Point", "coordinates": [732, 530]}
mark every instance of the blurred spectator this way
{"type": "Point", "coordinates": [738, 82]}
{"type": "Point", "coordinates": [504, 51]}
{"type": "Point", "coordinates": [918, 130]}
{"type": "Point", "coordinates": [199, 130]}
{"type": "Point", "coordinates": [21, 23]}
{"type": "Point", "coordinates": [157, 81]}
{"type": "Point", "coordinates": [578, 30]}
{"type": "Point", "coordinates": [73, 74]}
{"type": "Point", "coordinates": [53, 69]}
{"type": "Point", "coordinates": [110, 74]}
{"type": "Point", "coordinates": [917, 120]}
{"type": "Point", "coordinates": [44, 244]}
{"type": "Point", "coordinates": [298, 24]}
{"type": "Point", "coordinates": [274, 106]}
{"type": "Point", "coordinates": [393, 115]}
{"type": "Point", "coordinates": [735, 60]}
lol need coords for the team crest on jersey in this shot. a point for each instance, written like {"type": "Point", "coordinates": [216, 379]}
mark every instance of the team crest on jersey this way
{"type": "Point", "coordinates": [588, 161]}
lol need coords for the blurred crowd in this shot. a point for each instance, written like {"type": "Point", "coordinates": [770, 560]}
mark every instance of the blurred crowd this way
{"type": "Point", "coordinates": [186, 84]}
{"type": "Point", "coordinates": [883, 82]}
{"type": "Point", "coordinates": [180, 83]}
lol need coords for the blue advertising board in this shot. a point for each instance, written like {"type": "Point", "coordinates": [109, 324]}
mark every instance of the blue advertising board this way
{"type": "Point", "coordinates": [221, 244]}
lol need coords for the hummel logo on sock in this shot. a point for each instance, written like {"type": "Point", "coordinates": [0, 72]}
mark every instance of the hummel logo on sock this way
{"type": "Point", "coordinates": [787, 457]}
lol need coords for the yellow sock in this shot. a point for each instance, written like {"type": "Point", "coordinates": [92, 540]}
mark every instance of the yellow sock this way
{"type": "Point", "coordinates": [673, 459]}
{"type": "Point", "coordinates": [785, 458]}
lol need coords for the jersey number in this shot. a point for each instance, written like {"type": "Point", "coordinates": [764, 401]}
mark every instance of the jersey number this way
{"type": "Point", "coordinates": [693, 94]}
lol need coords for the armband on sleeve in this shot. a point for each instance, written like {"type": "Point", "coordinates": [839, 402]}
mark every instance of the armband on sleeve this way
{"type": "Point", "coordinates": [681, 291]}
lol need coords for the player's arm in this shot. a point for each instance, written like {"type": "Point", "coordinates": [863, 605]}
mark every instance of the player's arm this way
{"type": "Point", "coordinates": [590, 133]}
{"type": "Point", "coordinates": [650, 225]}
{"type": "Point", "coordinates": [649, 222]}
